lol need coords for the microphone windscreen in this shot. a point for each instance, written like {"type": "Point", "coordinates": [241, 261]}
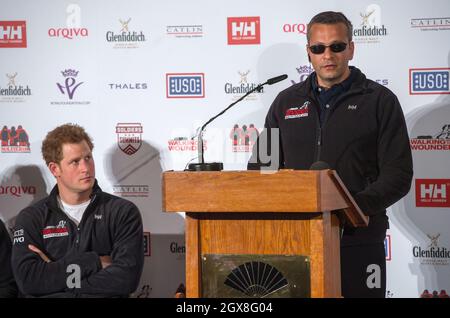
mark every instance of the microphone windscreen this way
{"type": "Point", "coordinates": [319, 165]}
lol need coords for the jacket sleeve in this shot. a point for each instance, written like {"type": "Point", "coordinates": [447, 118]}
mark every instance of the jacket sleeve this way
{"type": "Point", "coordinates": [395, 167]}
{"type": "Point", "coordinates": [33, 275]}
{"type": "Point", "coordinates": [267, 142]}
{"type": "Point", "coordinates": [122, 276]}
{"type": "Point", "coordinates": [8, 288]}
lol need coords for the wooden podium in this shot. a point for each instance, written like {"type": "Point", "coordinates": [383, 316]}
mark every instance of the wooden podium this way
{"type": "Point", "coordinates": [289, 212]}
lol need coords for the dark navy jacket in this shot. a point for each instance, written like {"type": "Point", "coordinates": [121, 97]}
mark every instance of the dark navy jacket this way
{"type": "Point", "coordinates": [110, 226]}
{"type": "Point", "coordinates": [364, 138]}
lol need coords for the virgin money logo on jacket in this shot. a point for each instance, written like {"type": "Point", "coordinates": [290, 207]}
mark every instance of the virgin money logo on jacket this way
{"type": "Point", "coordinates": [13, 34]}
{"type": "Point", "coordinates": [432, 193]}
{"type": "Point", "coordinates": [244, 30]}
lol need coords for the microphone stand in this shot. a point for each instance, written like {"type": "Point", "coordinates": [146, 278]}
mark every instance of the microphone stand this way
{"type": "Point", "coordinates": [218, 166]}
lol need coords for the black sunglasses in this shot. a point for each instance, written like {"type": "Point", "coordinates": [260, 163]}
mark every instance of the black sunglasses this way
{"type": "Point", "coordinates": [335, 47]}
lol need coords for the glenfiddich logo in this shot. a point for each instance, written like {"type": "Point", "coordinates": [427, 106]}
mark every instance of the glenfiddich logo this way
{"type": "Point", "coordinates": [125, 39]}
{"type": "Point", "coordinates": [371, 29]}
{"type": "Point", "coordinates": [242, 87]}
{"type": "Point", "coordinates": [129, 137]}
{"type": "Point", "coordinates": [433, 253]}
{"type": "Point", "coordinates": [13, 93]}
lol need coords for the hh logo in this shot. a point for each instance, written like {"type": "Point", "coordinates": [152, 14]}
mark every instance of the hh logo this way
{"type": "Point", "coordinates": [244, 30]}
{"type": "Point", "coordinates": [432, 192]}
{"type": "Point", "coordinates": [429, 81]}
{"type": "Point", "coordinates": [185, 85]}
{"type": "Point", "coordinates": [13, 34]}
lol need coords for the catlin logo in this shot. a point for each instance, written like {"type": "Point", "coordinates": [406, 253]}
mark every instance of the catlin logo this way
{"type": "Point", "coordinates": [432, 192]}
{"type": "Point", "coordinates": [244, 30]}
{"type": "Point", "coordinates": [13, 34]}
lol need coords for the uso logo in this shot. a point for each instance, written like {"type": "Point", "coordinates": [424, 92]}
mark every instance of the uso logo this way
{"type": "Point", "coordinates": [185, 85]}
{"type": "Point", "coordinates": [429, 81]}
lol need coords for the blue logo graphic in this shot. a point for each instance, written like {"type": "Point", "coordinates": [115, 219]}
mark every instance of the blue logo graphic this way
{"type": "Point", "coordinates": [429, 81]}
{"type": "Point", "coordinates": [185, 85]}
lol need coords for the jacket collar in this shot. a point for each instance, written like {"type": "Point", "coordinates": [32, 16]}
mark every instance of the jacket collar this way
{"type": "Point", "coordinates": [52, 199]}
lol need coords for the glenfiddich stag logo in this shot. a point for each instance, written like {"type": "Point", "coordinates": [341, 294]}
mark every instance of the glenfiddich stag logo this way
{"type": "Point", "coordinates": [129, 137]}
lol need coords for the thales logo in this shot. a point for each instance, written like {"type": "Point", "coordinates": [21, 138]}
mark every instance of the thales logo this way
{"type": "Point", "coordinates": [371, 28]}
{"type": "Point", "coordinates": [13, 34]}
{"type": "Point", "coordinates": [437, 142]}
{"type": "Point", "coordinates": [244, 30]}
{"type": "Point", "coordinates": [427, 81]}
{"type": "Point", "coordinates": [432, 192]}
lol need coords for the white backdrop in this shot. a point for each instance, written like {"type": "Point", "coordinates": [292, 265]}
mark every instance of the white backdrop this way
{"type": "Point", "coordinates": [59, 63]}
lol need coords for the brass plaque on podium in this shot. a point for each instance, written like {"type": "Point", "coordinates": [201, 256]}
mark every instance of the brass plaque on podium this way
{"type": "Point", "coordinates": [255, 276]}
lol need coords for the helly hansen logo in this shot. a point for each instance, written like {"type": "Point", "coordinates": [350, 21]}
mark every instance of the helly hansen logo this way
{"type": "Point", "coordinates": [244, 30]}
{"type": "Point", "coordinates": [13, 34]}
{"type": "Point", "coordinates": [352, 107]}
{"type": "Point", "coordinates": [432, 192]}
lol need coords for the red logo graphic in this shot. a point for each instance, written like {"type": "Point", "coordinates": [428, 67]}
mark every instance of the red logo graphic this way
{"type": "Point", "coordinates": [432, 192]}
{"type": "Point", "coordinates": [129, 137]}
{"type": "Point", "coordinates": [13, 34]}
{"type": "Point", "coordinates": [297, 112]}
{"type": "Point", "coordinates": [244, 30]}
{"type": "Point", "coordinates": [244, 137]}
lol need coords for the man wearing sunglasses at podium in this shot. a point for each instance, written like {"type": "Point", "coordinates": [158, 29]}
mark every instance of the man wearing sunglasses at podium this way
{"type": "Point", "coordinates": [357, 128]}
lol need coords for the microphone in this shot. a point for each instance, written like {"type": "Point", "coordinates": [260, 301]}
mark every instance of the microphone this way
{"type": "Point", "coordinates": [319, 165]}
{"type": "Point", "coordinates": [218, 166]}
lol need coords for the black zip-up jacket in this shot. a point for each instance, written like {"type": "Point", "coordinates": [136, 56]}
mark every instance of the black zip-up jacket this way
{"type": "Point", "coordinates": [364, 138]}
{"type": "Point", "coordinates": [8, 288]}
{"type": "Point", "coordinates": [109, 226]}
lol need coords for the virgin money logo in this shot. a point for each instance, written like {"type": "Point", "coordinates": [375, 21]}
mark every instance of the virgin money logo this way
{"type": "Point", "coordinates": [13, 34]}
{"type": "Point", "coordinates": [244, 30]}
{"type": "Point", "coordinates": [432, 192]}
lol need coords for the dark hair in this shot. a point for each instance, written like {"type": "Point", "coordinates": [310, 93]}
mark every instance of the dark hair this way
{"type": "Point", "coordinates": [65, 134]}
{"type": "Point", "coordinates": [330, 17]}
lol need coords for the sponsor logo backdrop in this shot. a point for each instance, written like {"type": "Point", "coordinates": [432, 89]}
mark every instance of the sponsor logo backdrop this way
{"type": "Point", "coordinates": [142, 76]}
